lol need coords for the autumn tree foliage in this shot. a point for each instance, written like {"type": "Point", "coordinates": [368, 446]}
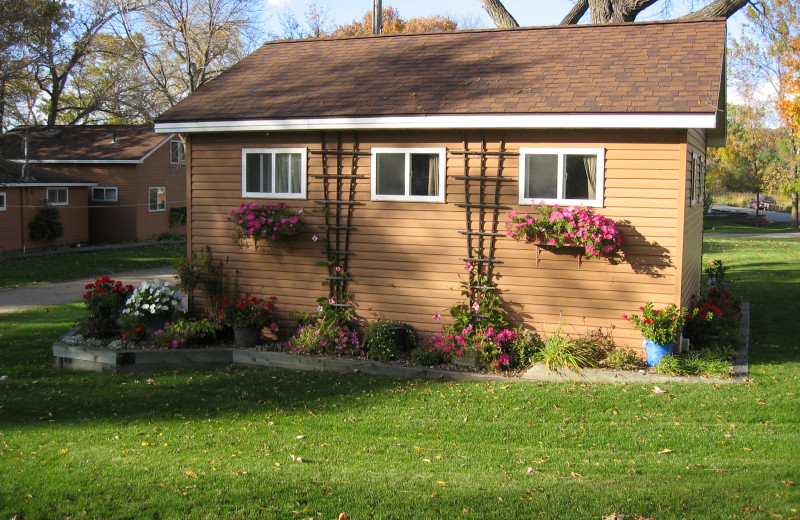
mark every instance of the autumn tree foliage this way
{"type": "Point", "coordinates": [393, 23]}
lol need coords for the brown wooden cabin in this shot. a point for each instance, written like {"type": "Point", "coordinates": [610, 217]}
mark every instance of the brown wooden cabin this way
{"type": "Point", "coordinates": [641, 101]}
{"type": "Point", "coordinates": [22, 197]}
{"type": "Point", "coordinates": [140, 175]}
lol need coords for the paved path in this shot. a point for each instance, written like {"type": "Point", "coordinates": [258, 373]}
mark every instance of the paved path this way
{"type": "Point", "coordinates": [773, 216]}
{"type": "Point", "coordinates": [57, 293]}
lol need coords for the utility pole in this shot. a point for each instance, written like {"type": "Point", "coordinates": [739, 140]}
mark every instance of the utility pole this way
{"type": "Point", "coordinates": [377, 17]}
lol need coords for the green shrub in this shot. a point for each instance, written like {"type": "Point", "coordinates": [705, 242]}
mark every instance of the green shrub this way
{"type": "Point", "coordinates": [330, 333]}
{"type": "Point", "coordinates": [187, 333]}
{"type": "Point", "coordinates": [385, 340]}
{"type": "Point", "coordinates": [46, 225]}
{"type": "Point", "coordinates": [697, 363]}
{"type": "Point", "coordinates": [177, 216]}
{"type": "Point", "coordinates": [522, 349]}
{"type": "Point", "coordinates": [561, 351]}
{"type": "Point", "coordinates": [622, 358]}
{"type": "Point", "coordinates": [428, 357]}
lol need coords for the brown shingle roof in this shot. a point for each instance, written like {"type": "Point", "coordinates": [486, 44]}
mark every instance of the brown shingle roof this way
{"type": "Point", "coordinates": [82, 142]}
{"type": "Point", "coordinates": [660, 67]}
{"type": "Point", "coordinates": [11, 174]}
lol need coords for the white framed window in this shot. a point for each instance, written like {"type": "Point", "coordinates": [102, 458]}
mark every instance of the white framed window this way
{"type": "Point", "coordinates": [274, 173]}
{"type": "Point", "coordinates": [177, 152]}
{"type": "Point", "coordinates": [2, 201]}
{"type": "Point", "coordinates": [408, 174]}
{"type": "Point", "coordinates": [569, 176]}
{"type": "Point", "coordinates": [57, 196]}
{"type": "Point", "coordinates": [103, 194]}
{"type": "Point", "coordinates": [696, 184]}
{"type": "Point", "coordinates": [157, 198]}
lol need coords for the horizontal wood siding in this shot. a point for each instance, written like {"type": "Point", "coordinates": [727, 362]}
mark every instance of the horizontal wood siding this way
{"type": "Point", "coordinates": [11, 221]}
{"type": "Point", "coordinates": [157, 171]}
{"type": "Point", "coordinates": [129, 217]}
{"type": "Point", "coordinates": [407, 263]}
{"type": "Point", "coordinates": [693, 225]}
{"type": "Point", "coordinates": [23, 204]}
{"type": "Point", "coordinates": [110, 221]}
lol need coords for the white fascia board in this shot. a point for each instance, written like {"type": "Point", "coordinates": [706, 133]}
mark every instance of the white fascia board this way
{"type": "Point", "coordinates": [426, 122]}
{"type": "Point", "coordinates": [48, 184]}
{"type": "Point", "coordinates": [151, 152]}
{"type": "Point", "coordinates": [78, 161]}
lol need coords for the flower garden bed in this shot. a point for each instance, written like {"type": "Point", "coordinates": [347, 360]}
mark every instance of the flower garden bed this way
{"type": "Point", "coordinates": [101, 359]}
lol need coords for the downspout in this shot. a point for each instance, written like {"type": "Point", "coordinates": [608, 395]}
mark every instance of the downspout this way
{"type": "Point", "coordinates": [377, 17]}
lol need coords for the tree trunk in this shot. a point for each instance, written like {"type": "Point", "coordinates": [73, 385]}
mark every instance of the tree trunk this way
{"type": "Point", "coordinates": [794, 210]}
{"type": "Point", "coordinates": [501, 17]}
{"type": "Point", "coordinates": [617, 11]}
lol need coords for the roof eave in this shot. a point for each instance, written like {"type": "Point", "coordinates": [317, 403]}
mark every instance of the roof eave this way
{"type": "Point", "coordinates": [707, 120]}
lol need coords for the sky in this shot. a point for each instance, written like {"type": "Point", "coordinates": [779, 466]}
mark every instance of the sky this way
{"type": "Point", "coordinates": [526, 12]}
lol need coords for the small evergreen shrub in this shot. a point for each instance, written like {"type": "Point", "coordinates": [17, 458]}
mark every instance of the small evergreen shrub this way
{"type": "Point", "coordinates": [46, 225]}
{"type": "Point", "coordinates": [385, 340]}
{"type": "Point", "coordinates": [428, 357]}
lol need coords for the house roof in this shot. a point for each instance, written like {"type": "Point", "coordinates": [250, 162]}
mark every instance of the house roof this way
{"type": "Point", "coordinates": [82, 143]}
{"type": "Point", "coordinates": [661, 68]}
{"type": "Point", "coordinates": [11, 176]}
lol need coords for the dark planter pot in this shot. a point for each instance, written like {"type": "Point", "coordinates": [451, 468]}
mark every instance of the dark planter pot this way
{"type": "Point", "coordinates": [246, 337]}
{"type": "Point", "coordinates": [154, 322]}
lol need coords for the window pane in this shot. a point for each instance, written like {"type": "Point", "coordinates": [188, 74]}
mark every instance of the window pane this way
{"type": "Point", "coordinates": [287, 173]}
{"type": "Point", "coordinates": [580, 177]}
{"type": "Point", "coordinates": [424, 174]}
{"type": "Point", "coordinates": [541, 171]}
{"type": "Point", "coordinates": [390, 174]}
{"type": "Point", "coordinates": [258, 170]}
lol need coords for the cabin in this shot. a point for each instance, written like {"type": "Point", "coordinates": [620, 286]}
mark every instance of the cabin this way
{"type": "Point", "coordinates": [406, 154]}
{"type": "Point", "coordinates": [140, 176]}
{"type": "Point", "coordinates": [26, 190]}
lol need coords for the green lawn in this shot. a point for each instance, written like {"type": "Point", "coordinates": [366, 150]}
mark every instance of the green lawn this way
{"type": "Point", "coordinates": [728, 227]}
{"type": "Point", "coordinates": [224, 443]}
{"type": "Point", "coordinates": [44, 269]}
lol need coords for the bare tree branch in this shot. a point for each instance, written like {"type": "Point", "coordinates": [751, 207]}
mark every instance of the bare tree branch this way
{"type": "Point", "coordinates": [576, 13]}
{"type": "Point", "coordinates": [499, 14]}
{"type": "Point", "coordinates": [717, 9]}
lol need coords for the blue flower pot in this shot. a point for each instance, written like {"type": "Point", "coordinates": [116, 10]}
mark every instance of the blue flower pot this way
{"type": "Point", "coordinates": [656, 352]}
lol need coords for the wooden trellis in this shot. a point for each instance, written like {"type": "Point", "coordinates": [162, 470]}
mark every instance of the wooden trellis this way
{"type": "Point", "coordinates": [482, 212]}
{"type": "Point", "coordinates": [338, 203]}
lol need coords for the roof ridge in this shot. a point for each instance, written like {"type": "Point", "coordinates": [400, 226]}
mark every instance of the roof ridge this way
{"type": "Point", "coordinates": [677, 21]}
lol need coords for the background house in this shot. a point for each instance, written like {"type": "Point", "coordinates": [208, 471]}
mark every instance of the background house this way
{"type": "Point", "coordinates": [393, 146]}
{"type": "Point", "coordinates": [23, 197]}
{"type": "Point", "coordinates": [140, 175]}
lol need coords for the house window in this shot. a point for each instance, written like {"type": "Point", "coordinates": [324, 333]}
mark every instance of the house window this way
{"type": "Point", "coordinates": [177, 152]}
{"type": "Point", "coordinates": [157, 199]}
{"type": "Point", "coordinates": [57, 196]}
{"type": "Point", "coordinates": [104, 194]}
{"type": "Point", "coordinates": [696, 185]}
{"type": "Point", "coordinates": [274, 173]}
{"type": "Point", "coordinates": [408, 174]}
{"type": "Point", "coordinates": [561, 176]}
{"type": "Point", "coordinates": [2, 201]}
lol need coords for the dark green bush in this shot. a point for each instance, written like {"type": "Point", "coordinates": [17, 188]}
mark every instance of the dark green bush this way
{"type": "Point", "coordinates": [385, 340]}
{"type": "Point", "coordinates": [46, 225]}
{"type": "Point", "coordinates": [177, 216]}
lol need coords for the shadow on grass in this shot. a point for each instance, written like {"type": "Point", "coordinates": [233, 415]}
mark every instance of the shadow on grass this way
{"type": "Point", "coordinates": [34, 391]}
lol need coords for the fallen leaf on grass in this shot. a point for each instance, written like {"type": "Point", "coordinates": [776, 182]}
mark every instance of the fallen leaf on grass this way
{"type": "Point", "coordinates": [300, 437]}
{"type": "Point", "coordinates": [665, 451]}
{"type": "Point", "coordinates": [190, 474]}
{"type": "Point", "coordinates": [659, 390]}
{"type": "Point", "coordinates": [295, 458]}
